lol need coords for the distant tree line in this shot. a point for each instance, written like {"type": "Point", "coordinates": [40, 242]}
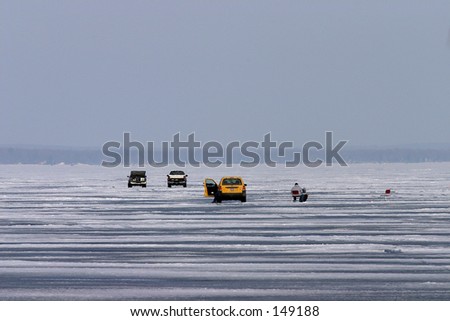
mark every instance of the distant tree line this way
{"type": "Point", "coordinates": [396, 155]}
{"type": "Point", "coordinates": [52, 156]}
{"type": "Point", "coordinates": [17, 155]}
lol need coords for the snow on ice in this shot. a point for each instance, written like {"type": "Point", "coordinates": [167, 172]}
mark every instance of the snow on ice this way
{"type": "Point", "coordinates": [78, 233]}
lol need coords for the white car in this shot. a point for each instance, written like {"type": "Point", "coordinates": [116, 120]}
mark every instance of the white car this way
{"type": "Point", "coordinates": [176, 178]}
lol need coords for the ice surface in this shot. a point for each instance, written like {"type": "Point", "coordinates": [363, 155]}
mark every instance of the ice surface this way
{"type": "Point", "coordinates": [78, 233]}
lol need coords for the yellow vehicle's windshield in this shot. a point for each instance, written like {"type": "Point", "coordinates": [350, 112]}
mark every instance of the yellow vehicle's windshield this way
{"type": "Point", "coordinates": [231, 181]}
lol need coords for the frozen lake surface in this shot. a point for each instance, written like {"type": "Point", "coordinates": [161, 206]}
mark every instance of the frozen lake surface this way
{"type": "Point", "coordinates": [78, 233]}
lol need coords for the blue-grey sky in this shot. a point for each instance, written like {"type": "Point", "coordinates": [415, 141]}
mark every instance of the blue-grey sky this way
{"type": "Point", "coordinates": [79, 73]}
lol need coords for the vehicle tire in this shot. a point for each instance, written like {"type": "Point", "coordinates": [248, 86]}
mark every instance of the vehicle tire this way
{"type": "Point", "coordinates": [184, 185]}
{"type": "Point", "coordinates": [145, 185]}
{"type": "Point", "coordinates": [244, 199]}
{"type": "Point", "coordinates": [169, 185]}
{"type": "Point", "coordinates": [129, 186]}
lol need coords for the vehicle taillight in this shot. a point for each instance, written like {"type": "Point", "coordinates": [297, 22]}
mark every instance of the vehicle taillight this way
{"type": "Point", "coordinates": [220, 188]}
{"type": "Point", "coordinates": [243, 187]}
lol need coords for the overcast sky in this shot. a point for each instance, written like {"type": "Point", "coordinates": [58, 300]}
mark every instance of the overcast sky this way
{"type": "Point", "coordinates": [79, 73]}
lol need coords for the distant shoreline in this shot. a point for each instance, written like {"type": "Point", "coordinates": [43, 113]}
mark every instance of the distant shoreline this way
{"type": "Point", "coordinates": [71, 156]}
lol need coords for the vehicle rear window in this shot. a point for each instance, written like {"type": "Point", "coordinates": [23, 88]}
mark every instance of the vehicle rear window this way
{"type": "Point", "coordinates": [231, 181]}
{"type": "Point", "coordinates": [176, 173]}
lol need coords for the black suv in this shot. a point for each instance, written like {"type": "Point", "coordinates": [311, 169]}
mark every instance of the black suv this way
{"type": "Point", "coordinates": [137, 178]}
{"type": "Point", "coordinates": [176, 178]}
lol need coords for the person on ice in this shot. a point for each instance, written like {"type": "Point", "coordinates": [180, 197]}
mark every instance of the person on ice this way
{"type": "Point", "coordinates": [215, 191]}
{"type": "Point", "coordinates": [297, 191]}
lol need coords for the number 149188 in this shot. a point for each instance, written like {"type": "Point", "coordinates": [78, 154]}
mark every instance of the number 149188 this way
{"type": "Point", "coordinates": [296, 311]}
